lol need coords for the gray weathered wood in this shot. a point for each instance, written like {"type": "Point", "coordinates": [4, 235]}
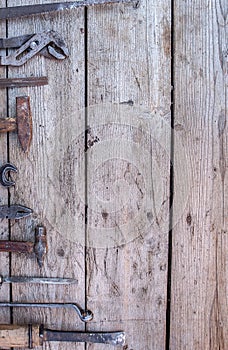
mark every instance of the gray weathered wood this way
{"type": "Point", "coordinates": [46, 176]}
{"type": "Point", "coordinates": [199, 273]}
{"type": "Point", "coordinates": [128, 170]}
{"type": "Point", "coordinates": [4, 229]}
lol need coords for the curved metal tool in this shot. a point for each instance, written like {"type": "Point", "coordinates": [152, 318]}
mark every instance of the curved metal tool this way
{"type": "Point", "coordinates": [84, 315]}
{"type": "Point", "coordinates": [48, 43]}
{"type": "Point", "coordinates": [14, 212]}
{"type": "Point", "coordinates": [37, 280]}
{"type": "Point", "coordinates": [31, 336]}
{"type": "Point", "coordinates": [4, 174]}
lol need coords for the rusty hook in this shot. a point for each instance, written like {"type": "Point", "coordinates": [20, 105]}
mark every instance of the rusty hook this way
{"type": "Point", "coordinates": [3, 174]}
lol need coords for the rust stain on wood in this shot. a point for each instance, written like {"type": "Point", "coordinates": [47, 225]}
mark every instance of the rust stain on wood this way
{"type": "Point", "coordinates": [166, 38]}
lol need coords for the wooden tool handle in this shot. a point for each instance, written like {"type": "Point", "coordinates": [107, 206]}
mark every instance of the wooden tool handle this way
{"type": "Point", "coordinates": [19, 336]}
{"type": "Point", "coordinates": [8, 125]}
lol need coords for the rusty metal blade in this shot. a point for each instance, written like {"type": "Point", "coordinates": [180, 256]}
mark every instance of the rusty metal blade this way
{"type": "Point", "coordinates": [27, 10]}
{"type": "Point", "coordinates": [112, 338]}
{"type": "Point", "coordinates": [24, 122]}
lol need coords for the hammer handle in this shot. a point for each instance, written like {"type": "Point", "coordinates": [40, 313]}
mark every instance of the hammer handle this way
{"type": "Point", "coordinates": [19, 336]}
{"type": "Point", "coordinates": [16, 247]}
{"type": "Point", "coordinates": [8, 125]}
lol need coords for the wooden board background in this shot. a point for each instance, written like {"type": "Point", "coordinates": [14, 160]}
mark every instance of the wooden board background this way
{"type": "Point", "coordinates": [98, 173]}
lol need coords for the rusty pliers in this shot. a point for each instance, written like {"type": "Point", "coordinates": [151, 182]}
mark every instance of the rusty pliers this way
{"type": "Point", "coordinates": [48, 44]}
{"type": "Point", "coordinates": [14, 212]}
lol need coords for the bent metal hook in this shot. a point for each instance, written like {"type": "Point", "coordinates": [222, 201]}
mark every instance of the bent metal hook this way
{"type": "Point", "coordinates": [84, 315]}
{"type": "Point", "coordinates": [3, 174]}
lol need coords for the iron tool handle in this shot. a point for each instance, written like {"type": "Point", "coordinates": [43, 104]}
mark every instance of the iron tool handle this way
{"type": "Point", "coordinates": [19, 336]}
{"type": "Point", "coordinates": [16, 247]}
{"type": "Point", "coordinates": [8, 125]}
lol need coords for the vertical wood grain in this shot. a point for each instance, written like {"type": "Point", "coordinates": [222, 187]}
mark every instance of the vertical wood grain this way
{"type": "Point", "coordinates": [199, 273]}
{"type": "Point", "coordinates": [46, 179]}
{"type": "Point", "coordinates": [129, 88]}
{"type": "Point", "coordinates": [4, 227]}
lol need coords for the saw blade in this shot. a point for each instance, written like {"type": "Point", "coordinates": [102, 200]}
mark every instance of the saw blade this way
{"type": "Point", "coordinates": [28, 10]}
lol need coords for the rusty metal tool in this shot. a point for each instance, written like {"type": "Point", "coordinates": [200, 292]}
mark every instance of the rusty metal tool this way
{"type": "Point", "coordinates": [48, 43]}
{"type": "Point", "coordinates": [31, 336]}
{"type": "Point", "coordinates": [37, 280]}
{"type": "Point", "coordinates": [22, 123]}
{"type": "Point", "coordinates": [39, 248]}
{"type": "Point", "coordinates": [23, 82]}
{"type": "Point", "coordinates": [14, 212]}
{"type": "Point", "coordinates": [3, 174]}
{"type": "Point", "coordinates": [84, 315]}
{"type": "Point", "coordinates": [28, 10]}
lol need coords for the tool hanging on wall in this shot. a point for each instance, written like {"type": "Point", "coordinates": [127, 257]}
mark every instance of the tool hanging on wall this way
{"type": "Point", "coordinates": [22, 82]}
{"type": "Point", "coordinates": [31, 336]}
{"type": "Point", "coordinates": [22, 123]}
{"type": "Point", "coordinates": [14, 212]}
{"type": "Point", "coordinates": [3, 174]}
{"type": "Point", "coordinates": [39, 248]}
{"type": "Point", "coordinates": [84, 315]}
{"type": "Point", "coordinates": [37, 280]}
{"type": "Point", "coordinates": [48, 44]}
{"type": "Point", "coordinates": [27, 10]}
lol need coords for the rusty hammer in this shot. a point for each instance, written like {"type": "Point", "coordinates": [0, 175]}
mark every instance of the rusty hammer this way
{"type": "Point", "coordinates": [39, 248]}
{"type": "Point", "coordinates": [22, 123]}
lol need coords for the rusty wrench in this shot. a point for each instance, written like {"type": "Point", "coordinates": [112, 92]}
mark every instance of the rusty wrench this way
{"type": "Point", "coordinates": [48, 43]}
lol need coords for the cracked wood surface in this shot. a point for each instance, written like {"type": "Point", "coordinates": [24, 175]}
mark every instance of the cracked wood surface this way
{"type": "Point", "coordinates": [199, 274]}
{"type": "Point", "coordinates": [108, 167]}
{"type": "Point", "coordinates": [128, 171]}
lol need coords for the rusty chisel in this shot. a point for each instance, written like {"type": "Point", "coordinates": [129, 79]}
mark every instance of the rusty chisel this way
{"type": "Point", "coordinates": [27, 10]}
{"type": "Point", "coordinates": [31, 336]}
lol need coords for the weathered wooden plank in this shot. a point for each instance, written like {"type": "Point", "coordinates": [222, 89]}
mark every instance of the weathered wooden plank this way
{"type": "Point", "coordinates": [199, 273]}
{"type": "Point", "coordinates": [47, 173]}
{"type": "Point", "coordinates": [128, 170]}
{"type": "Point", "coordinates": [4, 228]}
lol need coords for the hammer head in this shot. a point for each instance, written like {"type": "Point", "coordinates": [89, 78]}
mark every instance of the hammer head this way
{"type": "Point", "coordinates": [24, 121]}
{"type": "Point", "coordinates": [40, 247]}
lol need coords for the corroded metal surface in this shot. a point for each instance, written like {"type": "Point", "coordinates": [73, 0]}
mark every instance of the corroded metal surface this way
{"type": "Point", "coordinates": [14, 212]}
{"type": "Point", "coordinates": [23, 11]}
{"type": "Point", "coordinates": [4, 172]}
{"type": "Point", "coordinates": [48, 43]}
{"type": "Point", "coordinates": [37, 280]}
{"type": "Point", "coordinates": [7, 125]}
{"type": "Point", "coordinates": [40, 247]}
{"type": "Point", "coordinates": [112, 338]}
{"type": "Point", "coordinates": [23, 82]}
{"type": "Point", "coordinates": [84, 315]}
{"type": "Point", "coordinates": [24, 122]}
{"type": "Point", "coordinates": [16, 247]}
